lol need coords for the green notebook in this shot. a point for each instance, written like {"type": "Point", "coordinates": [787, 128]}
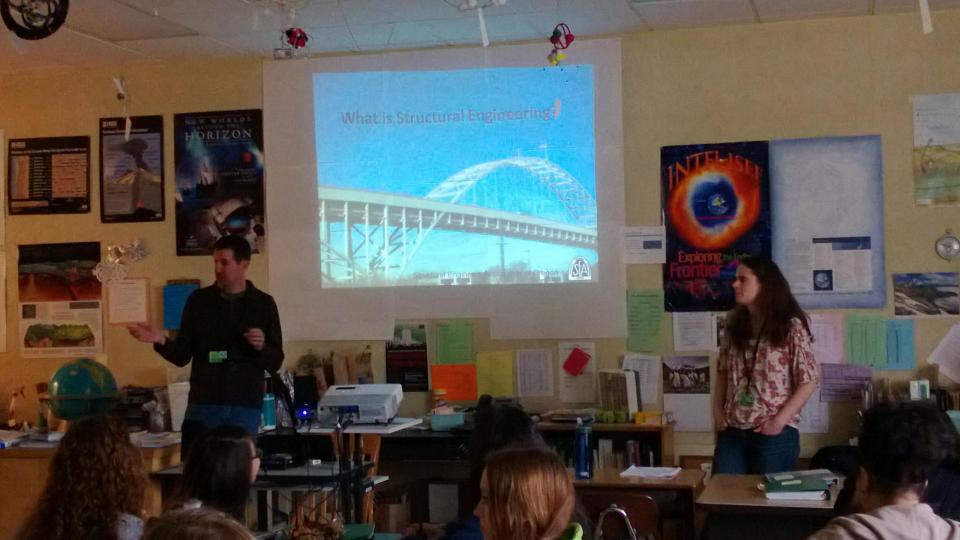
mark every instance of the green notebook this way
{"type": "Point", "coordinates": [357, 531]}
{"type": "Point", "coordinates": [799, 485]}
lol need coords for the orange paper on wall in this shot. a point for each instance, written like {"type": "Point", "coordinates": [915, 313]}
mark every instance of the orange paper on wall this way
{"type": "Point", "coordinates": [459, 380]}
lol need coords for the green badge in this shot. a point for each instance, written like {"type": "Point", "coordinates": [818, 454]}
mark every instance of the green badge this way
{"type": "Point", "coordinates": [747, 399]}
{"type": "Point", "coordinates": [216, 357]}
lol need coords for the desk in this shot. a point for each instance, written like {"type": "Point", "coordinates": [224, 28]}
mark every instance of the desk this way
{"type": "Point", "coordinates": [685, 487]}
{"type": "Point", "coordinates": [737, 509]}
{"type": "Point", "coordinates": [24, 471]}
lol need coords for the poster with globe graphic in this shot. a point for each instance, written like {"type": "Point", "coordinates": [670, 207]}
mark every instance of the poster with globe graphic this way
{"type": "Point", "coordinates": [716, 202]}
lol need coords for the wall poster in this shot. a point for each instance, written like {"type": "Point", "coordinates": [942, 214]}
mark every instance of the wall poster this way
{"type": "Point", "coordinates": [131, 169]}
{"type": "Point", "coordinates": [60, 307]}
{"type": "Point", "coordinates": [716, 205]}
{"type": "Point", "coordinates": [49, 175]}
{"type": "Point", "coordinates": [219, 179]}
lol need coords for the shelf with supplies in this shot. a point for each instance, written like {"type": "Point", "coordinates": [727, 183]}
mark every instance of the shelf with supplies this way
{"type": "Point", "coordinates": [656, 439]}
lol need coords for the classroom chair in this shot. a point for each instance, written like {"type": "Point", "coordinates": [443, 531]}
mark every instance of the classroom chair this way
{"type": "Point", "coordinates": [621, 515]}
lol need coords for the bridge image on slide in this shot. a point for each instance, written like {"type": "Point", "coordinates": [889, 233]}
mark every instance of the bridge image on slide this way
{"type": "Point", "coordinates": [380, 233]}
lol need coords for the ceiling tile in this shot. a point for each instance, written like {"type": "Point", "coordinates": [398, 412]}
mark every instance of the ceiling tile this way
{"type": "Point", "coordinates": [124, 22]}
{"type": "Point", "coordinates": [181, 47]}
{"type": "Point", "coordinates": [888, 6]}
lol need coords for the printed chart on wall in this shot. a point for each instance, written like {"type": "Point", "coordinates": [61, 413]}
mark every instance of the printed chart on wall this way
{"type": "Point", "coordinates": [936, 149]}
{"type": "Point", "coordinates": [715, 199]}
{"type": "Point", "coordinates": [131, 169]}
{"type": "Point", "coordinates": [827, 214]}
{"type": "Point", "coordinates": [59, 300]}
{"type": "Point", "coordinates": [49, 175]}
{"type": "Point", "coordinates": [219, 170]}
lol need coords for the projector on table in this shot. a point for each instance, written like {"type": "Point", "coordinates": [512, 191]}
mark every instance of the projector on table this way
{"type": "Point", "coordinates": [361, 403]}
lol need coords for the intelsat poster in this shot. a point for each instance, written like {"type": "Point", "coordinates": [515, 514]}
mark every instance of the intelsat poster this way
{"type": "Point", "coordinates": [716, 203]}
{"type": "Point", "coordinates": [219, 168]}
{"type": "Point", "coordinates": [456, 178]}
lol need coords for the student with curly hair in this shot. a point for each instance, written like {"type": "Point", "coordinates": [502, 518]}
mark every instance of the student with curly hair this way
{"type": "Point", "coordinates": [195, 524]}
{"type": "Point", "coordinates": [765, 374]}
{"type": "Point", "coordinates": [221, 467]}
{"type": "Point", "coordinates": [95, 488]}
{"type": "Point", "coordinates": [526, 494]}
{"type": "Point", "coordinates": [900, 445]}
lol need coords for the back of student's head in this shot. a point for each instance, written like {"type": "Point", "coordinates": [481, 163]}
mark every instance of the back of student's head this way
{"type": "Point", "coordinates": [527, 495]}
{"type": "Point", "coordinates": [218, 470]}
{"type": "Point", "coordinates": [497, 426]}
{"type": "Point", "coordinates": [902, 443]}
{"type": "Point", "coordinates": [95, 475]}
{"type": "Point", "coordinates": [195, 524]}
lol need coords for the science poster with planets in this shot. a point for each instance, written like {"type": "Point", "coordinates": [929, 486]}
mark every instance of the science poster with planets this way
{"type": "Point", "coordinates": [716, 203]}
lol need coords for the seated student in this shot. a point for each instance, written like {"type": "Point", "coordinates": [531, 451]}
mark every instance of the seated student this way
{"type": "Point", "coordinates": [95, 487]}
{"type": "Point", "coordinates": [495, 427]}
{"type": "Point", "coordinates": [526, 494]}
{"type": "Point", "coordinates": [195, 524]}
{"type": "Point", "coordinates": [221, 466]}
{"type": "Point", "coordinates": [900, 444]}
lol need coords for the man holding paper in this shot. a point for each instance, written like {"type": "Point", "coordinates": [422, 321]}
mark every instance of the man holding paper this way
{"type": "Point", "coordinates": [231, 332]}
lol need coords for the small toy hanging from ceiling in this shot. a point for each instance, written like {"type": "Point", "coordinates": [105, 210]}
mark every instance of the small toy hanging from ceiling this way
{"type": "Point", "coordinates": [34, 19]}
{"type": "Point", "coordinates": [561, 38]}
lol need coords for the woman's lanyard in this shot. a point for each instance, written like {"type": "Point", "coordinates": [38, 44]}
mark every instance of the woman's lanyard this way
{"type": "Point", "coordinates": [747, 398]}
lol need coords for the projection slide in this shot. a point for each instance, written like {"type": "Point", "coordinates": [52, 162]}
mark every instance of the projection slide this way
{"type": "Point", "coordinates": [479, 176]}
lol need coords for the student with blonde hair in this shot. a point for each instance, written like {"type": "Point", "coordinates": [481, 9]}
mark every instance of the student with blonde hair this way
{"type": "Point", "coordinates": [526, 494]}
{"type": "Point", "coordinates": [195, 524]}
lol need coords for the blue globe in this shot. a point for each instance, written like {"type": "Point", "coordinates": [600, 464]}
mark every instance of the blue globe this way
{"type": "Point", "coordinates": [717, 204]}
{"type": "Point", "coordinates": [82, 387]}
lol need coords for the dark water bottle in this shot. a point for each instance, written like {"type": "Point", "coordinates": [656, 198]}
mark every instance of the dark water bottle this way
{"type": "Point", "coordinates": [583, 452]}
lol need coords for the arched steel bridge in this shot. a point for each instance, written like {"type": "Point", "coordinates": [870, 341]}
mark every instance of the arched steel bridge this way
{"type": "Point", "coordinates": [391, 228]}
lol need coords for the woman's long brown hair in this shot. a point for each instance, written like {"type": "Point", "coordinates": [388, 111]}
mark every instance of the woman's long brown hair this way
{"type": "Point", "coordinates": [95, 475]}
{"type": "Point", "coordinates": [529, 494]}
{"type": "Point", "coordinates": [776, 307]}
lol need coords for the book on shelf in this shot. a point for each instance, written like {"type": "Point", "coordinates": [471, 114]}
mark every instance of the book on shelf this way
{"type": "Point", "coordinates": [619, 390]}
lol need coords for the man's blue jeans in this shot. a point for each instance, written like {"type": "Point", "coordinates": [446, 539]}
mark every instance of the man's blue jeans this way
{"type": "Point", "coordinates": [743, 451]}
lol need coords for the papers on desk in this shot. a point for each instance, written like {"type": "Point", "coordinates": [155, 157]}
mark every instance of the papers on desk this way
{"type": "Point", "coordinates": [145, 439]}
{"type": "Point", "coordinates": [11, 438]}
{"type": "Point", "coordinates": [635, 471]}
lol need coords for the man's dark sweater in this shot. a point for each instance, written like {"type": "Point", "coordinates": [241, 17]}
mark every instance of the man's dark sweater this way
{"type": "Point", "coordinates": [214, 322]}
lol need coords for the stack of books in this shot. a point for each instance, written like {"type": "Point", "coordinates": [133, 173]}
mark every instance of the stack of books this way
{"type": "Point", "coordinates": [812, 485]}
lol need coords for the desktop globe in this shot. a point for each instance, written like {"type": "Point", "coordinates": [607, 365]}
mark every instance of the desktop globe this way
{"type": "Point", "coordinates": [82, 387]}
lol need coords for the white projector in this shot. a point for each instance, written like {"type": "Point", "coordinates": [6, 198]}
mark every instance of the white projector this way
{"type": "Point", "coordinates": [362, 403]}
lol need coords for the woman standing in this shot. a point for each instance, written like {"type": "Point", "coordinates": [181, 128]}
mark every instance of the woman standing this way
{"type": "Point", "coordinates": [765, 374]}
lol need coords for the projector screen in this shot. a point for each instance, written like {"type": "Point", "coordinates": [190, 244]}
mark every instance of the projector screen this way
{"type": "Point", "coordinates": [446, 184]}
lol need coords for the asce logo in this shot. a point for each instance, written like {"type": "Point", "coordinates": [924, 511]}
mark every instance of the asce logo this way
{"type": "Point", "coordinates": [579, 269]}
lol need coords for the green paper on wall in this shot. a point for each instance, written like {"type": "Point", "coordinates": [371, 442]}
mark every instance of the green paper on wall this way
{"type": "Point", "coordinates": [495, 373]}
{"type": "Point", "coordinates": [644, 320]}
{"type": "Point", "coordinates": [454, 343]}
{"type": "Point", "coordinates": [866, 340]}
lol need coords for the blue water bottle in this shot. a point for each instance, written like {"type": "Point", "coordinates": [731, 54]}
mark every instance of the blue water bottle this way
{"type": "Point", "coordinates": [583, 452]}
{"type": "Point", "coordinates": [268, 416]}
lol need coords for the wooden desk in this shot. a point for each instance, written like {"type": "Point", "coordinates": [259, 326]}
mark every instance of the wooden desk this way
{"type": "Point", "coordinates": [737, 509]}
{"type": "Point", "coordinates": [685, 487]}
{"type": "Point", "coordinates": [24, 472]}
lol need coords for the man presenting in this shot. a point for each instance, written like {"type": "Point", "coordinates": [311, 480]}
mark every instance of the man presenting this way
{"type": "Point", "coordinates": [231, 332]}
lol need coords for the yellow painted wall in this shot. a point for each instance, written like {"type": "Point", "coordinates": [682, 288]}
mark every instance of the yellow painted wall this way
{"type": "Point", "coordinates": [845, 76]}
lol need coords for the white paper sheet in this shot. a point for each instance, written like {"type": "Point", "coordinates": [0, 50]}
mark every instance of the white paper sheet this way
{"type": "Point", "coordinates": [649, 369]}
{"type": "Point", "coordinates": [644, 245]}
{"type": "Point", "coordinates": [582, 388]}
{"type": "Point", "coordinates": [813, 416]}
{"type": "Point", "coordinates": [828, 334]}
{"type": "Point", "coordinates": [534, 373]}
{"type": "Point", "coordinates": [936, 120]}
{"type": "Point", "coordinates": [692, 412]}
{"type": "Point", "coordinates": [947, 354]}
{"type": "Point", "coordinates": [694, 331]}
{"type": "Point", "coordinates": [127, 301]}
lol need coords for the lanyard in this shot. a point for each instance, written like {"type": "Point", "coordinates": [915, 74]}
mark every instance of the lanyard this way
{"type": "Point", "coordinates": [751, 368]}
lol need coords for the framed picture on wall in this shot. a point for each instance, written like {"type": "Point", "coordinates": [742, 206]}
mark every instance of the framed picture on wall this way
{"type": "Point", "coordinates": [131, 169]}
{"type": "Point", "coordinates": [49, 175]}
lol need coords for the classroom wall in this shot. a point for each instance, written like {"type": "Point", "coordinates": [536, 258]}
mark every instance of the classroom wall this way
{"type": "Point", "coordinates": [846, 76]}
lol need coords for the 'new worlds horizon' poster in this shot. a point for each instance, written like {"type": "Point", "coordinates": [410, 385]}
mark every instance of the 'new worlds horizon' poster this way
{"type": "Point", "coordinates": [716, 202]}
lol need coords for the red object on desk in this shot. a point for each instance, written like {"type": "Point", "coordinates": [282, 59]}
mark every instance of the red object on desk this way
{"type": "Point", "coordinates": [576, 362]}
